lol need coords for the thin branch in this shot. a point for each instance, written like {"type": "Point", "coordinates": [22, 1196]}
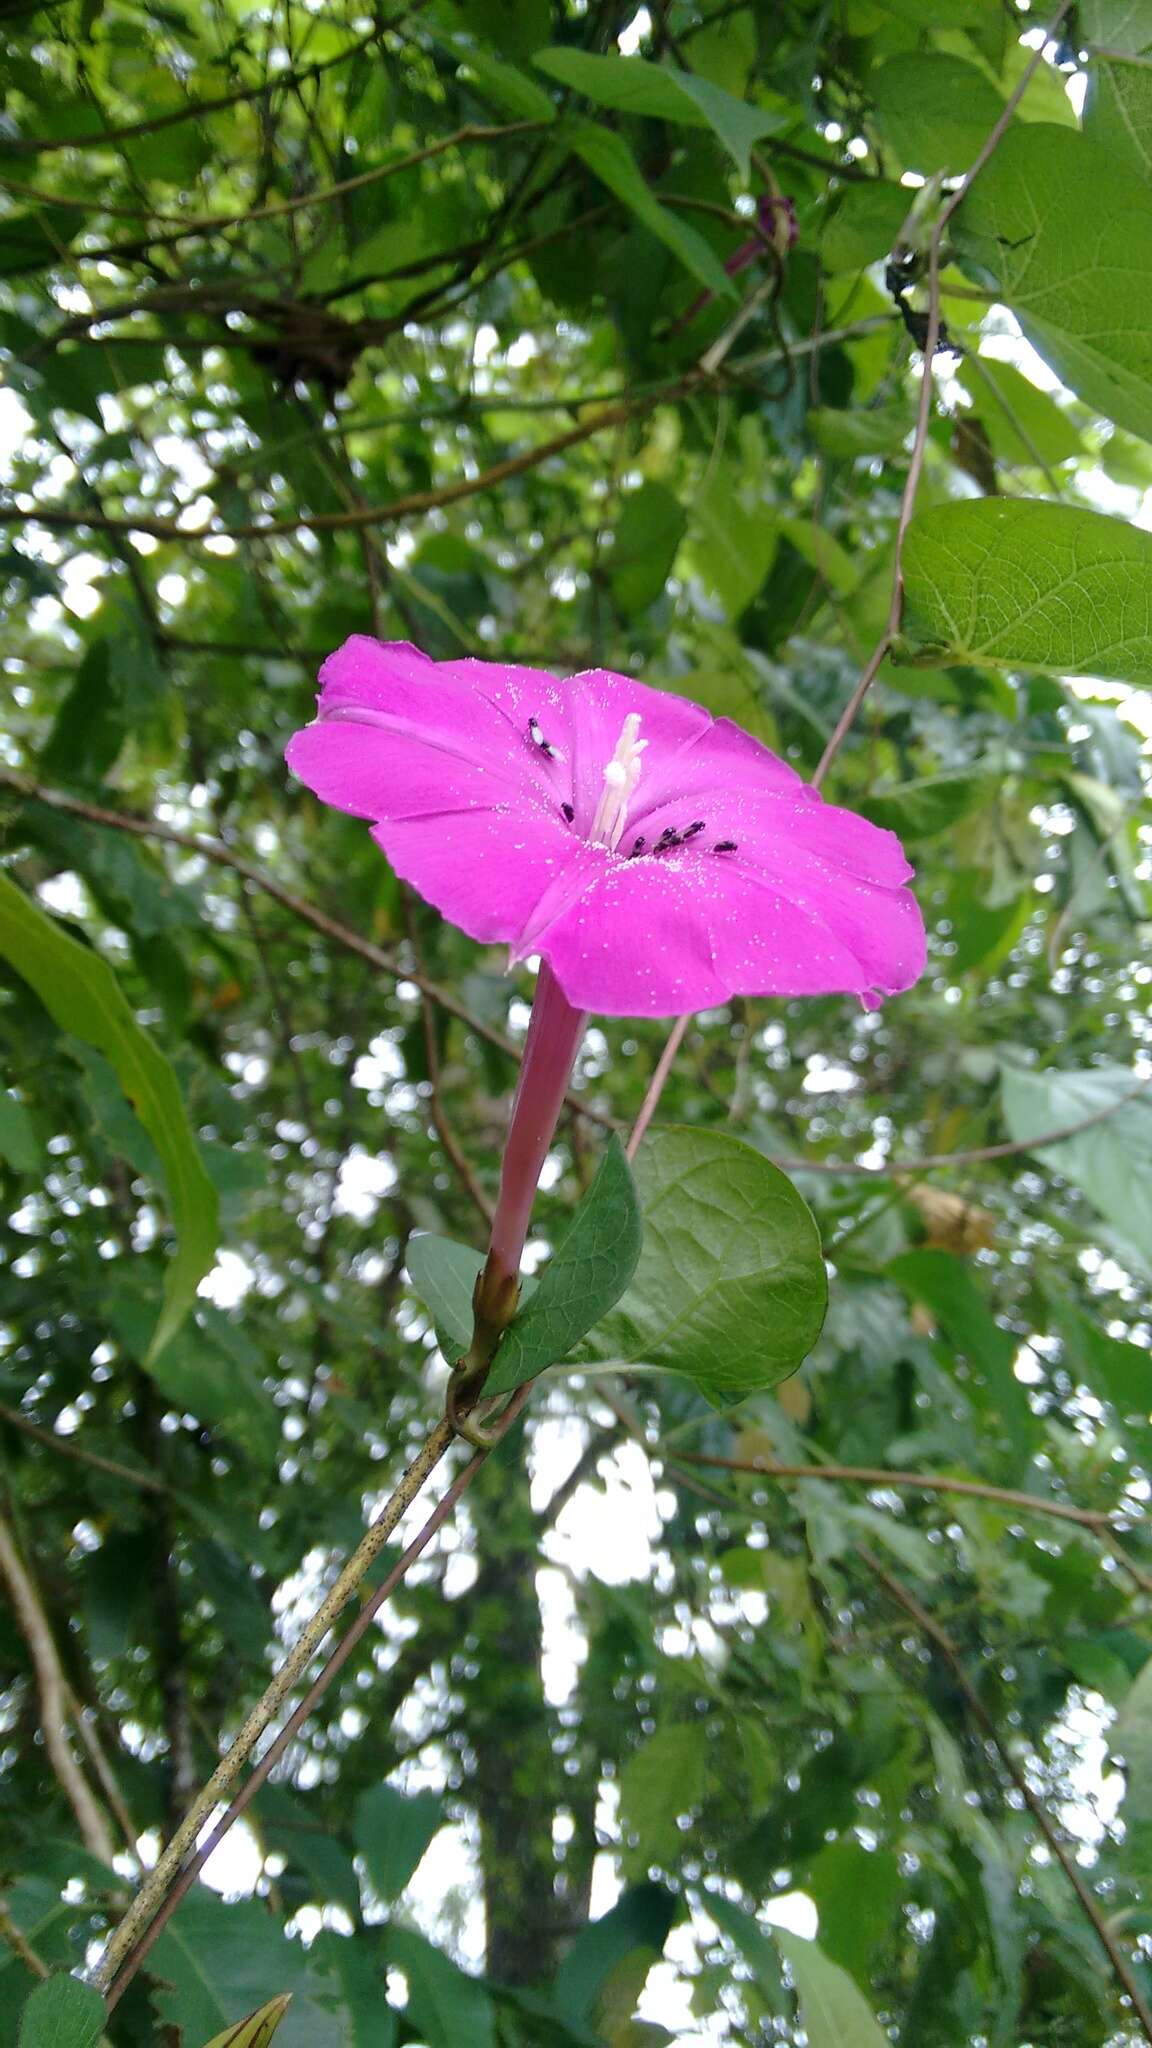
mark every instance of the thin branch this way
{"type": "Point", "coordinates": [408, 506]}
{"type": "Point", "coordinates": [597, 1447]}
{"type": "Point", "coordinates": [320, 1684]}
{"type": "Point", "coordinates": [417, 502]}
{"type": "Point", "coordinates": [461, 1164]}
{"type": "Point", "coordinates": [656, 1085]}
{"type": "Point", "coordinates": [34, 1627]}
{"type": "Point", "coordinates": [929, 1626]}
{"type": "Point", "coordinates": [65, 1448]}
{"type": "Point", "coordinates": [196, 110]}
{"type": "Point", "coordinates": [280, 209]}
{"type": "Point", "coordinates": [883, 646]}
{"type": "Point", "coordinates": [21, 1946]}
{"type": "Point", "coordinates": [1099, 1520]}
{"type": "Point", "coordinates": [976, 1155]}
{"type": "Point", "coordinates": [156, 1885]}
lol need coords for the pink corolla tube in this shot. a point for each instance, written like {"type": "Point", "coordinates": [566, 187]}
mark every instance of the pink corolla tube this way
{"type": "Point", "coordinates": [656, 859]}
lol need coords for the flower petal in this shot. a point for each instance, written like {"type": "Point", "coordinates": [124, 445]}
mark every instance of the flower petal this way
{"type": "Point", "coordinates": [399, 735]}
{"type": "Point", "coordinates": [634, 943]}
{"type": "Point", "coordinates": [484, 869]}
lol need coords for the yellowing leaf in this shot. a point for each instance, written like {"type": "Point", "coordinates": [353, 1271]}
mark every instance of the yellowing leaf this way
{"type": "Point", "coordinates": [257, 2030]}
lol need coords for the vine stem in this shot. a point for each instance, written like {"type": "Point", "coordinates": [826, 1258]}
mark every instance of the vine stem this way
{"type": "Point", "coordinates": [155, 1886]}
{"type": "Point", "coordinates": [260, 1772]}
{"type": "Point", "coordinates": [883, 646]}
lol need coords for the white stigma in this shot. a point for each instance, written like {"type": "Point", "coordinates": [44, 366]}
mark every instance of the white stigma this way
{"type": "Point", "coordinates": [621, 776]}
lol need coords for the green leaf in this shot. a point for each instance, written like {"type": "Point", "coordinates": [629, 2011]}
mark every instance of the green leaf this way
{"type": "Point", "coordinates": [608, 156]}
{"type": "Point", "coordinates": [62, 2013]}
{"type": "Point", "coordinates": [443, 1274]}
{"type": "Point", "coordinates": [734, 542]}
{"type": "Point", "coordinates": [34, 240]}
{"type": "Point", "coordinates": [215, 1960]}
{"type": "Point", "coordinates": [448, 2007]}
{"type": "Point", "coordinates": [663, 1781]}
{"type": "Point", "coordinates": [90, 726]}
{"type": "Point", "coordinates": [641, 1920]}
{"type": "Point", "coordinates": [946, 1285]}
{"type": "Point", "coordinates": [585, 1277]}
{"type": "Point", "coordinates": [755, 1946]}
{"type": "Point", "coordinates": [833, 2009]}
{"type": "Point", "coordinates": [1023, 424]}
{"type": "Point", "coordinates": [1130, 1737]}
{"type": "Point", "coordinates": [19, 1144]}
{"type": "Point", "coordinates": [209, 1369]}
{"type": "Point", "coordinates": [354, 1961]}
{"type": "Point", "coordinates": [921, 809]}
{"type": "Point", "coordinates": [858, 1894]}
{"type": "Point", "coordinates": [80, 991]}
{"type": "Point", "coordinates": [1062, 231]}
{"type": "Point", "coordinates": [731, 1288]}
{"type": "Point", "coordinates": [882, 430]}
{"type": "Point", "coordinates": [1120, 1372]}
{"type": "Point", "coordinates": [1015, 583]}
{"type": "Point", "coordinates": [1111, 1162]}
{"type": "Point", "coordinates": [1118, 111]}
{"type": "Point", "coordinates": [935, 110]}
{"type": "Point", "coordinates": [504, 84]}
{"type": "Point", "coordinates": [726, 693]}
{"type": "Point", "coordinates": [257, 2030]}
{"type": "Point", "coordinates": [632, 85]}
{"type": "Point", "coordinates": [392, 1829]}
{"type": "Point", "coordinates": [650, 530]}
{"type": "Point", "coordinates": [863, 225]}
{"type": "Point", "coordinates": [516, 27]}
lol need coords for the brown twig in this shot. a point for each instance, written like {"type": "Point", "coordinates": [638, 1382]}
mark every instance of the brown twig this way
{"type": "Point", "coordinates": [991, 142]}
{"type": "Point", "coordinates": [656, 1085]}
{"type": "Point", "coordinates": [408, 506]}
{"type": "Point", "coordinates": [65, 1448]}
{"type": "Point", "coordinates": [53, 1690]}
{"type": "Point", "coordinates": [21, 1946]}
{"type": "Point", "coordinates": [196, 110]}
{"type": "Point", "coordinates": [929, 1626]}
{"type": "Point", "coordinates": [279, 209]}
{"type": "Point", "coordinates": [976, 1155]}
{"type": "Point", "coordinates": [339, 1657]}
{"type": "Point", "coordinates": [454, 1150]}
{"type": "Point", "coordinates": [155, 1886]}
{"type": "Point", "coordinates": [1099, 1520]}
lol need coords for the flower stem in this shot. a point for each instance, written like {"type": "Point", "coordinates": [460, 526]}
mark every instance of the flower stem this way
{"type": "Point", "coordinates": [554, 1034]}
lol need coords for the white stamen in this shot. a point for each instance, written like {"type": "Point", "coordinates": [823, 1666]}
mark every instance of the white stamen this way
{"type": "Point", "coordinates": [621, 775]}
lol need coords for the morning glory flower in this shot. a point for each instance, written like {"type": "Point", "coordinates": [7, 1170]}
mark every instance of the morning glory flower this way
{"type": "Point", "coordinates": [659, 860]}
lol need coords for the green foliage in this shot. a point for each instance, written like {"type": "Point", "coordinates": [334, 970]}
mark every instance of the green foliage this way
{"type": "Point", "coordinates": [81, 994]}
{"type": "Point", "coordinates": [1110, 1161]}
{"type": "Point", "coordinates": [585, 1277]}
{"type": "Point", "coordinates": [427, 315]}
{"type": "Point", "coordinates": [1022, 584]}
{"type": "Point", "coordinates": [832, 2008]}
{"type": "Point", "coordinates": [62, 2013]}
{"type": "Point", "coordinates": [630, 85]}
{"type": "Point", "coordinates": [392, 1832]}
{"type": "Point", "coordinates": [730, 1289]}
{"type": "Point", "coordinates": [1074, 264]}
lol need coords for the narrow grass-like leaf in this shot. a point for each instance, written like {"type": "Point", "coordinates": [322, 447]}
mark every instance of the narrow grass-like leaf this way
{"type": "Point", "coordinates": [80, 991]}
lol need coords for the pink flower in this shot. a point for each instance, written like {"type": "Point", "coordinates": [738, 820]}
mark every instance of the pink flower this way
{"type": "Point", "coordinates": [658, 859]}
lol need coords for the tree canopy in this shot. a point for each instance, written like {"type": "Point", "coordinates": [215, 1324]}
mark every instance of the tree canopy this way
{"type": "Point", "coordinates": [795, 359]}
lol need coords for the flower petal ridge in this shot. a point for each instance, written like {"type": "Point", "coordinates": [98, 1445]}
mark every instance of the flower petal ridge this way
{"type": "Point", "coordinates": [654, 882]}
